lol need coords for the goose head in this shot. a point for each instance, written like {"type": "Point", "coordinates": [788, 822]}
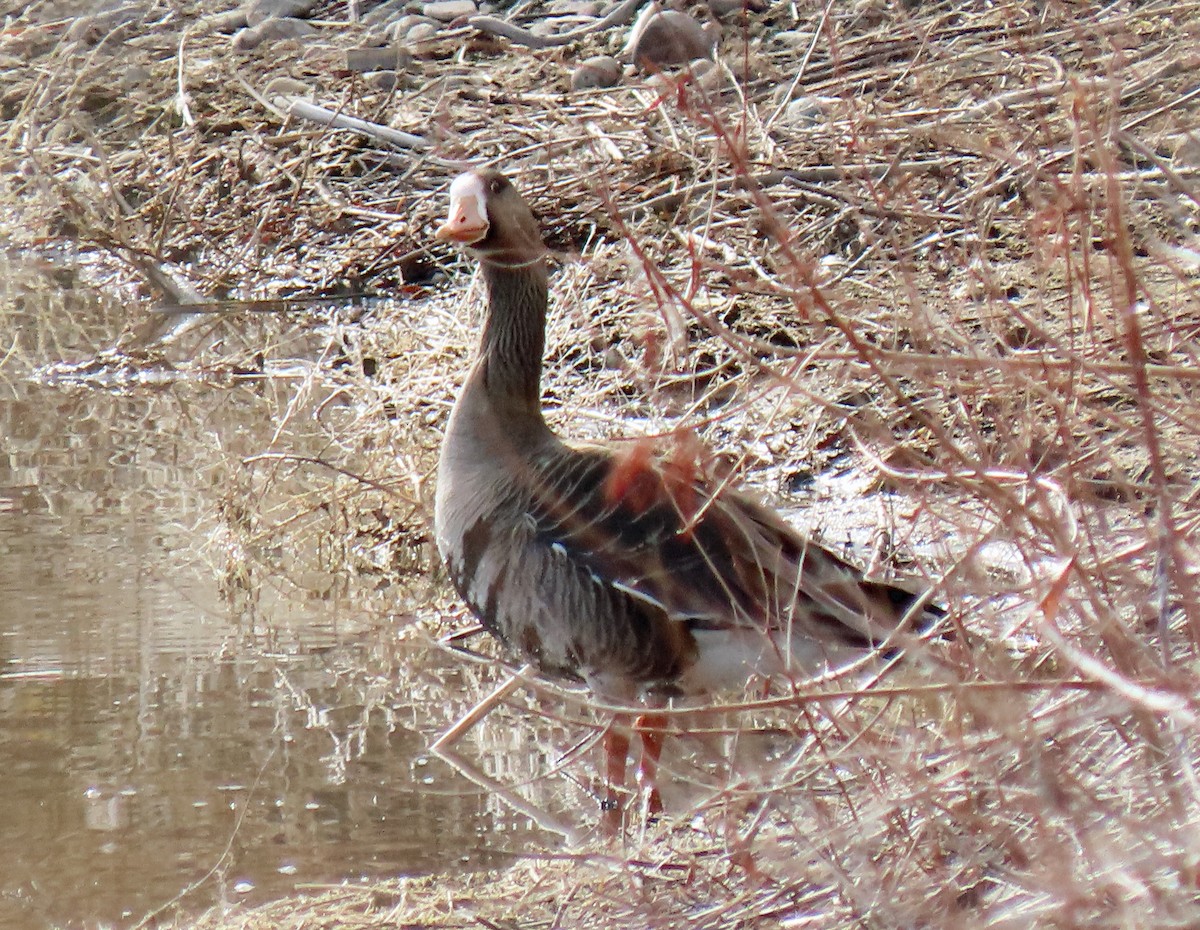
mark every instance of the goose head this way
{"type": "Point", "coordinates": [491, 220]}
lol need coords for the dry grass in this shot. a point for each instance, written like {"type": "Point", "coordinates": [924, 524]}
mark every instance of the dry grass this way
{"type": "Point", "coordinates": [961, 303]}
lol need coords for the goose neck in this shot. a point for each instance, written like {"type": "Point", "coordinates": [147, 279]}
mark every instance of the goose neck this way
{"type": "Point", "coordinates": [514, 333]}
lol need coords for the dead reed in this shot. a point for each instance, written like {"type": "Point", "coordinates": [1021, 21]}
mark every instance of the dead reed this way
{"type": "Point", "coordinates": [930, 267]}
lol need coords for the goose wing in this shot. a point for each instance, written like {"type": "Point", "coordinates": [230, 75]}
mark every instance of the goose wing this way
{"type": "Point", "coordinates": [713, 558]}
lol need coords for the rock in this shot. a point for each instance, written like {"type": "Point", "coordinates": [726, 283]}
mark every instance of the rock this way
{"type": "Point", "coordinates": [228, 22]}
{"type": "Point", "coordinates": [387, 58]}
{"type": "Point", "coordinates": [598, 71]}
{"type": "Point", "coordinates": [245, 40]}
{"type": "Point", "coordinates": [702, 73]}
{"type": "Point", "coordinates": [1187, 150]}
{"type": "Point", "coordinates": [421, 32]}
{"type": "Point", "coordinates": [667, 37]}
{"type": "Point", "coordinates": [272, 30]}
{"type": "Point", "coordinates": [398, 31]}
{"type": "Point", "coordinates": [259, 11]}
{"type": "Point", "coordinates": [807, 111]}
{"type": "Point", "coordinates": [384, 13]}
{"type": "Point", "coordinates": [449, 10]}
{"type": "Point", "coordinates": [574, 8]}
{"type": "Point", "coordinates": [135, 78]}
{"type": "Point", "coordinates": [287, 86]}
{"type": "Point", "coordinates": [100, 27]}
{"type": "Point", "coordinates": [794, 39]}
{"type": "Point", "coordinates": [723, 8]}
{"type": "Point", "coordinates": [547, 27]}
{"type": "Point", "coordinates": [381, 80]}
{"type": "Point", "coordinates": [709, 76]}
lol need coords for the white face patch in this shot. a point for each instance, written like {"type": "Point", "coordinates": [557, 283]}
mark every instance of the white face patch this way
{"type": "Point", "coordinates": [468, 193]}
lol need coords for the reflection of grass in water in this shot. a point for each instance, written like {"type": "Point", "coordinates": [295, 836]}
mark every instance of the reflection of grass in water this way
{"type": "Point", "coordinates": [968, 279]}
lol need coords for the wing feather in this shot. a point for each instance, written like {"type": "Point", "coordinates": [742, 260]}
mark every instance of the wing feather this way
{"type": "Point", "coordinates": [713, 558]}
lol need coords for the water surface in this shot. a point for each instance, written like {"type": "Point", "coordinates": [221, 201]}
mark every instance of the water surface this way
{"type": "Point", "coordinates": [172, 714]}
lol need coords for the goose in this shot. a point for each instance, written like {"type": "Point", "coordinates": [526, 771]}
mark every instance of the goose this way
{"type": "Point", "coordinates": [643, 580]}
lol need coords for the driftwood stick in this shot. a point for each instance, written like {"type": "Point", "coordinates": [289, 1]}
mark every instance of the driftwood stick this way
{"type": "Point", "coordinates": [306, 109]}
{"type": "Point", "coordinates": [480, 710]}
{"type": "Point", "coordinates": [618, 16]}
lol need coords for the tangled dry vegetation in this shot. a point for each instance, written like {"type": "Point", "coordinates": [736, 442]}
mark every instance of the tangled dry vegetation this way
{"type": "Point", "coordinates": [926, 266]}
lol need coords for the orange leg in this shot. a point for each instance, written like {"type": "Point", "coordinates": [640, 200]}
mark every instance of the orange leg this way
{"type": "Point", "coordinates": [651, 728]}
{"type": "Point", "coordinates": [616, 755]}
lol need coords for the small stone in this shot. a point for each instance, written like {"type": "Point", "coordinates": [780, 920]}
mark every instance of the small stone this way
{"type": "Point", "coordinates": [1187, 150]}
{"type": "Point", "coordinates": [244, 40]}
{"type": "Point", "coordinates": [598, 71]}
{"type": "Point", "coordinates": [384, 13]}
{"type": "Point", "coordinates": [421, 32]}
{"type": "Point", "coordinates": [668, 37]}
{"type": "Point", "coordinates": [807, 111]}
{"type": "Point", "coordinates": [388, 58]}
{"type": "Point", "coordinates": [99, 28]}
{"type": "Point", "coordinates": [259, 11]}
{"type": "Point", "coordinates": [228, 22]}
{"type": "Point", "coordinates": [794, 38]}
{"type": "Point", "coordinates": [707, 75]}
{"type": "Point", "coordinates": [135, 77]}
{"type": "Point", "coordinates": [448, 10]}
{"type": "Point", "coordinates": [546, 27]}
{"type": "Point", "coordinates": [574, 8]}
{"type": "Point", "coordinates": [381, 80]}
{"type": "Point", "coordinates": [723, 8]}
{"type": "Point", "coordinates": [273, 30]}
{"type": "Point", "coordinates": [287, 86]}
{"type": "Point", "coordinates": [398, 30]}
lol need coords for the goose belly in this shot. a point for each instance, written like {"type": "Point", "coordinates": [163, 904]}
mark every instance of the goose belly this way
{"type": "Point", "coordinates": [555, 613]}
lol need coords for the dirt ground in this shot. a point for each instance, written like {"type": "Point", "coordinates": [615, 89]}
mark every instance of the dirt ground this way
{"type": "Point", "coordinates": [923, 273]}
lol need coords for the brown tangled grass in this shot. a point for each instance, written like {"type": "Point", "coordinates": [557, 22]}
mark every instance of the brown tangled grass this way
{"type": "Point", "coordinates": [926, 267]}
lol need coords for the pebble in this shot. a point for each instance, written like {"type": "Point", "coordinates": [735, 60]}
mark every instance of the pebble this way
{"type": "Point", "coordinates": [668, 37]}
{"type": "Point", "coordinates": [449, 10]}
{"type": "Point", "coordinates": [227, 22]}
{"type": "Point", "coordinates": [245, 39]}
{"type": "Point", "coordinates": [794, 38]}
{"type": "Point", "coordinates": [597, 71]}
{"type": "Point", "coordinates": [381, 80]}
{"type": "Point", "coordinates": [387, 58]}
{"type": "Point", "coordinates": [544, 27]}
{"type": "Point", "coordinates": [1187, 150]}
{"type": "Point", "coordinates": [271, 30]}
{"type": "Point", "coordinates": [384, 13]}
{"type": "Point", "coordinates": [574, 8]}
{"type": "Point", "coordinates": [286, 85]}
{"type": "Point", "coordinates": [421, 32]}
{"type": "Point", "coordinates": [724, 8]}
{"type": "Point", "coordinates": [552, 26]}
{"type": "Point", "coordinates": [95, 29]}
{"type": "Point", "coordinates": [398, 31]}
{"type": "Point", "coordinates": [708, 76]}
{"type": "Point", "coordinates": [134, 78]}
{"type": "Point", "coordinates": [703, 73]}
{"type": "Point", "coordinates": [259, 11]}
{"type": "Point", "coordinates": [807, 111]}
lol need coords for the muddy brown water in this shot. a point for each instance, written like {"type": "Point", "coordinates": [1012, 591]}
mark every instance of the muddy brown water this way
{"type": "Point", "coordinates": [157, 731]}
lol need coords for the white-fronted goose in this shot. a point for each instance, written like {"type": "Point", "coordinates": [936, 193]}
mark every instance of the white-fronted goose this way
{"type": "Point", "coordinates": [598, 565]}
